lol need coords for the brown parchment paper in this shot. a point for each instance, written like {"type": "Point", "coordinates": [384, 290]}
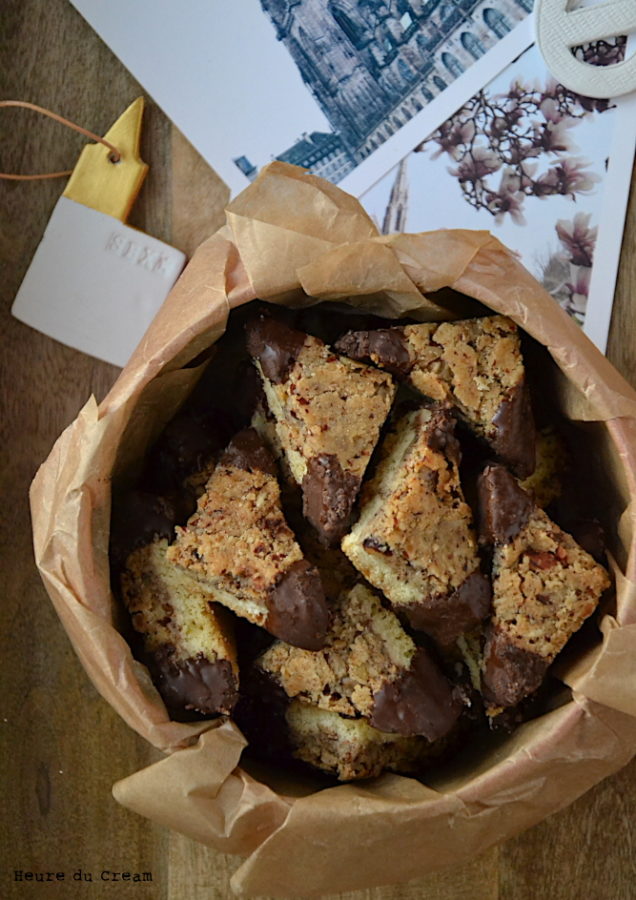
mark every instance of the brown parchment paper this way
{"type": "Point", "coordinates": [294, 239]}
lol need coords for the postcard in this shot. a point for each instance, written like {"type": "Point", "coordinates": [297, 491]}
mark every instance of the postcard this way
{"type": "Point", "coordinates": [341, 87]}
{"type": "Point", "coordinates": [546, 171]}
{"type": "Point", "coordinates": [347, 89]}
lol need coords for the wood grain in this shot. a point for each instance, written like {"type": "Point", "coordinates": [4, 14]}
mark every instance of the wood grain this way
{"type": "Point", "coordinates": [62, 745]}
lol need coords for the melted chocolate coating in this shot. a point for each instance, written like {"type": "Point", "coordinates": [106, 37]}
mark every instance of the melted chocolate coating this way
{"type": "Point", "coordinates": [328, 497]}
{"type": "Point", "coordinates": [510, 673]}
{"type": "Point", "coordinates": [422, 701]}
{"type": "Point", "coordinates": [275, 345]}
{"type": "Point", "coordinates": [589, 534]}
{"type": "Point", "coordinates": [138, 518]}
{"type": "Point", "coordinates": [515, 438]}
{"type": "Point", "coordinates": [247, 451]}
{"type": "Point", "coordinates": [442, 438]}
{"type": "Point", "coordinates": [185, 446]}
{"type": "Point", "coordinates": [447, 616]}
{"type": "Point", "coordinates": [386, 346]}
{"type": "Point", "coordinates": [210, 687]}
{"type": "Point", "coordinates": [298, 611]}
{"type": "Point", "coordinates": [374, 545]}
{"type": "Point", "coordinates": [504, 507]}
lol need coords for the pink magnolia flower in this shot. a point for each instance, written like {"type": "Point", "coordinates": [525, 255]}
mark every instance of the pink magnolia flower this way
{"type": "Point", "coordinates": [553, 137]}
{"type": "Point", "coordinates": [567, 177]}
{"type": "Point", "coordinates": [450, 137]}
{"type": "Point", "coordinates": [510, 181]}
{"type": "Point", "coordinates": [551, 89]}
{"type": "Point", "coordinates": [521, 150]}
{"type": "Point", "coordinates": [579, 288]}
{"type": "Point", "coordinates": [575, 178]}
{"type": "Point", "coordinates": [502, 204]}
{"type": "Point", "coordinates": [550, 110]}
{"type": "Point", "coordinates": [476, 163]}
{"type": "Point", "coordinates": [526, 173]}
{"type": "Point", "coordinates": [508, 199]}
{"type": "Point", "coordinates": [578, 238]}
{"type": "Point", "coordinates": [498, 126]}
{"type": "Point", "coordinates": [547, 183]}
{"type": "Point", "coordinates": [509, 109]}
{"type": "Point", "coordinates": [581, 283]}
{"type": "Point", "coordinates": [516, 90]}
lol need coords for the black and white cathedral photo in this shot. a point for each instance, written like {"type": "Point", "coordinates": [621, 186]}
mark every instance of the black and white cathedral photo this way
{"type": "Point", "coordinates": [371, 65]}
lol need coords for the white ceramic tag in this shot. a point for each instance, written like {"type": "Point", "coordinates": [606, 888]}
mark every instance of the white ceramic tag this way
{"type": "Point", "coordinates": [95, 283]}
{"type": "Point", "coordinates": [558, 30]}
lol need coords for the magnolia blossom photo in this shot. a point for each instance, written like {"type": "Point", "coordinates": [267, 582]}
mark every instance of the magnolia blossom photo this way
{"type": "Point", "coordinates": [525, 158]}
{"type": "Point", "coordinates": [524, 137]}
{"type": "Point", "coordinates": [566, 272]}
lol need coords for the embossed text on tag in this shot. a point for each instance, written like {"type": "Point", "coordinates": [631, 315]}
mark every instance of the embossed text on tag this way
{"type": "Point", "coordinates": [137, 253]}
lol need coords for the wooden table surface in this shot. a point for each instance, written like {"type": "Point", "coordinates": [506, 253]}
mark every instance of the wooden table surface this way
{"type": "Point", "coordinates": [63, 746]}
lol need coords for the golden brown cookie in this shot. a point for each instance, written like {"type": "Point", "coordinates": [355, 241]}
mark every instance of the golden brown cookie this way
{"type": "Point", "coordinates": [238, 544]}
{"type": "Point", "coordinates": [351, 748]}
{"type": "Point", "coordinates": [368, 667]}
{"type": "Point", "coordinates": [328, 412]}
{"type": "Point", "coordinates": [187, 638]}
{"type": "Point", "coordinates": [544, 587]}
{"type": "Point", "coordinates": [474, 366]}
{"type": "Point", "coordinates": [414, 539]}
